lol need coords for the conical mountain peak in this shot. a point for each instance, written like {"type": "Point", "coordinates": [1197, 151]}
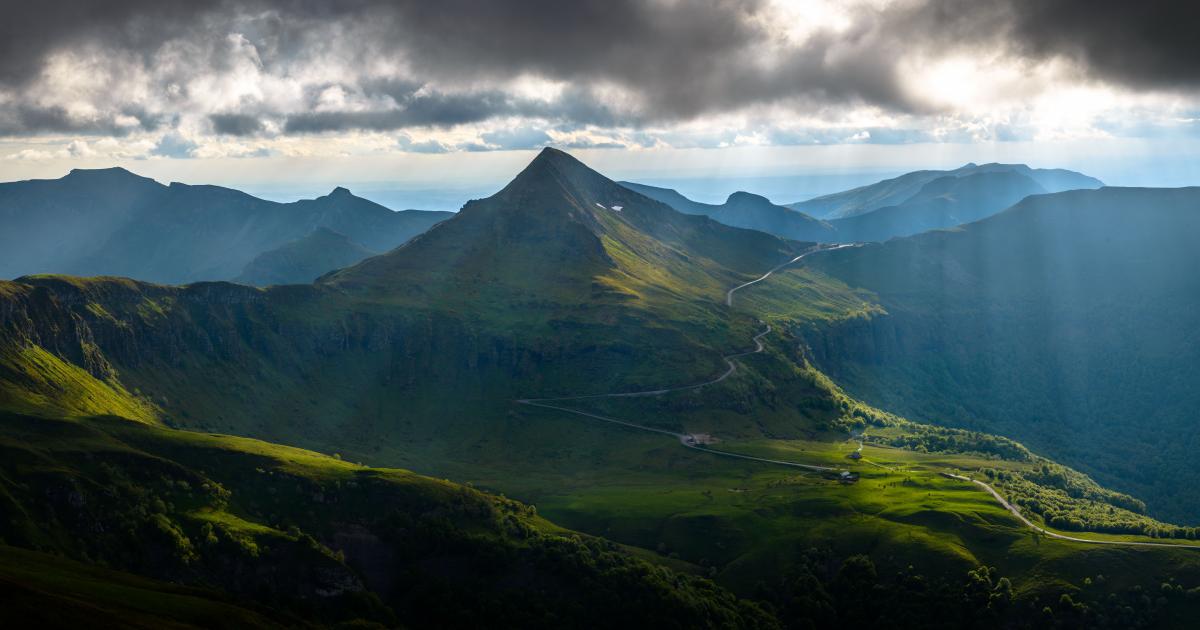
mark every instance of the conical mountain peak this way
{"type": "Point", "coordinates": [556, 167]}
{"type": "Point", "coordinates": [555, 186]}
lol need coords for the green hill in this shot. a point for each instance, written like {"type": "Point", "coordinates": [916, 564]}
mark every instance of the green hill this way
{"type": "Point", "coordinates": [562, 232]}
{"type": "Point", "coordinates": [293, 538]}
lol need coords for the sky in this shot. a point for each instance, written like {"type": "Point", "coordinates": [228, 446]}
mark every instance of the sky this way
{"type": "Point", "coordinates": [435, 102]}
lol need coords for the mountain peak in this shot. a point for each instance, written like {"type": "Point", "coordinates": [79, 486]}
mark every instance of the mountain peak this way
{"type": "Point", "coordinates": [742, 197]}
{"type": "Point", "coordinates": [552, 159]}
{"type": "Point", "coordinates": [550, 153]}
{"type": "Point", "coordinates": [101, 173]}
{"type": "Point", "coordinates": [553, 228]}
{"type": "Point", "coordinates": [555, 174]}
{"type": "Point", "coordinates": [113, 178]}
{"type": "Point", "coordinates": [340, 192]}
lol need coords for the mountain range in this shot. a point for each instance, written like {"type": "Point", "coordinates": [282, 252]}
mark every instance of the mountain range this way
{"type": "Point", "coordinates": [897, 190]}
{"type": "Point", "coordinates": [903, 206]}
{"type": "Point", "coordinates": [112, 222]}
{"type": "Point", "coordinates": [161, 430]}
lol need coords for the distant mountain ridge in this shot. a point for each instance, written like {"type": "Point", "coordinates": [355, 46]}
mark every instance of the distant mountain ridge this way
{"type": "Point", "coordinates": [113, 222]}
{"type": "Point", "coordinates": [901, 206]}
{"type": "Point", "coordinates": [897, 190]}
{"type": "Point", "coordinates": [941, 203]}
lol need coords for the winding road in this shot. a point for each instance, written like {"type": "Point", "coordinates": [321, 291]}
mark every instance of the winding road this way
{"type": "Point", "coordinates": [1017, 513]}
{"type": "Point", "coordinates": [689, 440]}
{"type": "Point", "coordinates": [729, 293]}
{"type": "Point", "coordinates": [686, 439]}
{"type": "Point", "coordinates": [732, 367]}
{"type": "Point", "coordinates": [758, 347]}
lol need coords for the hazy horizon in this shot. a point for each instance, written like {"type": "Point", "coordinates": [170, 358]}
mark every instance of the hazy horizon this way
{"type": "Point", "coordinates": [782, 174]}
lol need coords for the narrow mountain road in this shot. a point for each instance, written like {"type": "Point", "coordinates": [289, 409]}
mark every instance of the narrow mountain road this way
{"type": "Point", "coordinates": [688, 440]}
{"type": "Point", "coordinates": [1017, 513]}
{"type": "Point", "coordinates": [729, 294]}
{"type": "Point", "coordinates": [732, 367]}
{"type": "Point", "coordinates": [685, 439]}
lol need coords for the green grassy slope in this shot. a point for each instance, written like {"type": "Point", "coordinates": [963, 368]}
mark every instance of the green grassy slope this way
{"type": "Point", "coordinates": [560, 234]}
{"type": "Point", "coordinates": [313, 536]}
{"type": "Point", "coordinates": [750, 523]}
{"type": "Point", "coordinates": [48, 591]}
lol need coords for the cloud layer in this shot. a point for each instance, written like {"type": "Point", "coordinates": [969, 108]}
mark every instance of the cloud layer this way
{"type": "Point", "coordinates": [244, 77]}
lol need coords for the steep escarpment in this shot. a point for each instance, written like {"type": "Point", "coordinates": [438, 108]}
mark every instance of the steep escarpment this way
{"type": "Point", "coordinates": [296, 363]}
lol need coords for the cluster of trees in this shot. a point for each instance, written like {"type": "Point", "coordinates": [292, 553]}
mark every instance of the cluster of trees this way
{"type": "Point", "coordinates": [823, 592]}
{"type": "Point", "coordinates": [935, 439]}
{"type": "Point", "coordinates": [1069, 500]}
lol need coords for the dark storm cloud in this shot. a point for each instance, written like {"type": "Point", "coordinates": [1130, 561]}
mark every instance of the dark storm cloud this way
{"type": "Point", "coordinates": [679, 58]}
{"type": "Point", "coordinates": [23, 119]}
{"type": "Point", "coordinates": [676, 59]}
{"type": "Point", "coordinates": [236, 124]}
{"type": "Point", "coordinates": [32, 30]}
{"type": "Point", "coordinates": [417, 108]}
{"type": "Point", "coordinates": [1134, 42]}
{"type": "Point", "coordinates": [431, 110]}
